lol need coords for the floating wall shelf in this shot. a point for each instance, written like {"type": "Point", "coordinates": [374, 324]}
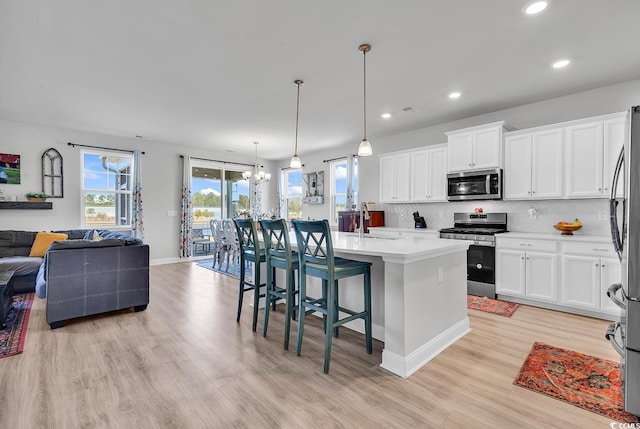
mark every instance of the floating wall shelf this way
{"type": "Point", "coordinates": [25, 205]}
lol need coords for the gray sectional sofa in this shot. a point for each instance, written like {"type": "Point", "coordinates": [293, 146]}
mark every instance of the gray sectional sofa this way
{"type": "Point", "coordinates": [78, 276]}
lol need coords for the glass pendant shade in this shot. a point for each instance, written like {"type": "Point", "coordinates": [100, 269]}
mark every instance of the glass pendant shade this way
{"type": "Point", "coordinates": [295, 162]}
{"type": "Point", "coordinates": [365, 149]}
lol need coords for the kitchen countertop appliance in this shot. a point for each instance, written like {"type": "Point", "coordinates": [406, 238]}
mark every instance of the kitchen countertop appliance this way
{"type": "Point", "coordinates": [625, 334]}
{"type": "Point", "coordinates": [480, 228]}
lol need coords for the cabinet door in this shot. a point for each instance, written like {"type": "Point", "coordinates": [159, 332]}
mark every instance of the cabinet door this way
{"type": "Point", "coordinates": [402, 178]}
{"type": "Point", "coordinates": [437, 173]}
{"type": "Point", "coordinates": [546, 164]}
{"type": "Point", "coordinates": [542, 276]}
{"type": "Point", "coordinates": [460, 151]}
{"type": "Point", "coordinates": [610, 273]}
{"type": "Point", "coordinates": [517, 167]}
{"type": "Point", "coordinates": [486, 148]}
{"type": "Point", "coordinates": [420, 167]}
{"type": "Point", "coordinates": [510, 272]}
{"type": "Point", "coordinates": [613, 142]}
{"type": "Point", "coordinates": [584, 145]}
{"type": "Point", "coordinates": [581, 282]}
{"type": "Point", "coordinates": [387, 182]}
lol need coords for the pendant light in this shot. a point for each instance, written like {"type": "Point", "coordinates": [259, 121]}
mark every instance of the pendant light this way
{"type": "Point", "coordinates": [364, 149]}
{"type": "Point", "coordinates": [258, 174]}
{"type": "Point", "coordinates": [295, 160]}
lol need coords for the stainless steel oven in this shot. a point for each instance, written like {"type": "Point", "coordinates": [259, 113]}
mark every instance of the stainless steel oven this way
{"type": "Point", "coordinates": [480, 228]}
{"type": "Point", "coordinates": [475, 185]}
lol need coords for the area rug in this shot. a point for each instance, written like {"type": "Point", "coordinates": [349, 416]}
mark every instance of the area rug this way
{"type": "Point", "coordinates": [489, 305]}
{"type": "Point", "coordinates": [585, 381]}
{"type": "Point", "coordinates": [233, 272]}
{"type": "Point", "coordinates": [13, 335]}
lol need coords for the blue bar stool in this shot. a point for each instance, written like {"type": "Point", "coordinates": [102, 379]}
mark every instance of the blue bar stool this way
{"type": "Point", "coordinates": [279, 255]}
{"type": "Point", "coordinates": [315, 252]}
{"type": "Point", "coordinates": [250, 251]}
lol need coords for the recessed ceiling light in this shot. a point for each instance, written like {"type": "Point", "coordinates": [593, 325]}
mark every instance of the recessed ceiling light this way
{"type": "Point", "coordinates": [534, 7]}
{"type": "Point", "coordinates": [560, 64]}
{"type": "Point", "coordinates": [386, 115]}
{"type": "Point", "coordinates": [455, 94]}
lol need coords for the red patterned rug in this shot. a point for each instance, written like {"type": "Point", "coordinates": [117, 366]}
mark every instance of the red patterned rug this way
{"type": "Point", "coordinates": [15, 330]}
{"type": "Point", "coordinates": [584, 381]}
{"type": "Point", "coordinates": [489, 305]}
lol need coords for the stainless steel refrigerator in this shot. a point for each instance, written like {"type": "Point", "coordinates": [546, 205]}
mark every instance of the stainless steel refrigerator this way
{"type": "Point", "coordinates": [625, 233]}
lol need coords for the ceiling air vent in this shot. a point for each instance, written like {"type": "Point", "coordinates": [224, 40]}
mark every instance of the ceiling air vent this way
{"type": "Point", "coordinates": [410, 109]}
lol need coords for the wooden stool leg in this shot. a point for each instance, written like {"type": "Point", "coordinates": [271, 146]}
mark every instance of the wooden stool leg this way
{"type": "Point", "coordinates": [241, 296]}
{"type": "Point", "coordinates": [288, 308]}
{"type": "Point", "coordinates": [302, 296]}
{"type": "Point", "coordinates": [367, 309]}
{"type": "Point", "coordinates": [337, 307]}
{"type": "Point", "coordinates": [329, 328]}
{"type": "Point", "coordinates": [267, 298]}
{"type": "Point", "coordinates": [256, 294]}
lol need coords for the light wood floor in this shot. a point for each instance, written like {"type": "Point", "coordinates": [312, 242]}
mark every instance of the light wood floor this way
{"type": "Point", "coordinates": [185, 363]}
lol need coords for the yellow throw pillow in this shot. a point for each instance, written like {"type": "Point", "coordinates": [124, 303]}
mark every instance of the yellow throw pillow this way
{"type": "Point", "coordinates": [43, 241]}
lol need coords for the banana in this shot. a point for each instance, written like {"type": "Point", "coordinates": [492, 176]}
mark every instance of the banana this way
{"type": "Point", "coordinates": [576, 223]}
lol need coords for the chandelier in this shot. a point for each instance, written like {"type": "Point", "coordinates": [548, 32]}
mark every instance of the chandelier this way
{"type": "Point", "coordinates": [257, 175]}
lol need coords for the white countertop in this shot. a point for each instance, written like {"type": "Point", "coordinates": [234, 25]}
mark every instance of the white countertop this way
{"type": "Point", "coordinates": [402, 249]}
{"type": "Point", "coordinates": [557, 237]}
{"type": "Point", "coordinates": [401, 229]}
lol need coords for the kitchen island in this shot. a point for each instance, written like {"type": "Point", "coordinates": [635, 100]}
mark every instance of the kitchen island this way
{"type": "Point", "coordinates": [419, 289]}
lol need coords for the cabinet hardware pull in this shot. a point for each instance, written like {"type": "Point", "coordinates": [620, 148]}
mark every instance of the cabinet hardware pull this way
{"type": "Point", "coordinates": [603, 265]}
{"type": "Point", "coordinates": [599, 189]}
{"type": "Point", "coordinates": [601, 250]}
{"type": "Point", "coordinates": [597, 265]}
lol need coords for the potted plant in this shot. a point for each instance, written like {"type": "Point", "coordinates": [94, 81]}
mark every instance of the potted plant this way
{"type": "Point", "coordinates": [36, 197]}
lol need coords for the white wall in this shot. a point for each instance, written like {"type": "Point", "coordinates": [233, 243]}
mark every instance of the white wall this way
{"type": "Point", "coordinates": [161, 181]}
{"type": "Point", "coordinates": [610, 99]}
{"type": "Point", "coordinates": [162, 171]}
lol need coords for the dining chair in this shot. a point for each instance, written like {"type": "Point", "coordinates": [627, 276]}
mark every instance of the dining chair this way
{"type": "Point", "coordinates": [250, 252]}
{"type": "Point", "coordinates": [317, 259]}
{"type": "Point", "coordinates": [218, 240]}
{"type": "Point", "coordinates": [278, 254]}
{"type": "Point", "coordinates": [232, 245]}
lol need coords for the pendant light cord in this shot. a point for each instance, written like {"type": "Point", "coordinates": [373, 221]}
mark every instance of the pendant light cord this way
{"type": "Point", "coordinates": [364, 91]}
{"type": "Point", "coordinates": [297, 116]}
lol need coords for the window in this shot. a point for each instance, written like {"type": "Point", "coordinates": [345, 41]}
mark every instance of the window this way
{"type": "Point", "coordinates": [291, 189]}
{"type": "Point", "coordinates": [107, 182]}
{"type": "Point", "coordinates": [344, 186]}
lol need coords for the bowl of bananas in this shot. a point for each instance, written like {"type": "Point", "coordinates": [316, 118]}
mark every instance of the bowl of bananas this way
{"type": "Point", "coordinates": [568, 228]}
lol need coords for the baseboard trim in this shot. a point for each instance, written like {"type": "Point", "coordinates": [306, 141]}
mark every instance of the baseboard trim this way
{"type": "Point", "coordinates": [405, 366]}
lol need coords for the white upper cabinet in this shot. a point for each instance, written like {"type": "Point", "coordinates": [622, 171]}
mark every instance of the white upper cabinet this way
{"type": "Point", "coordinates": [592, 149]}
{"type": "Point", "coordinates": [429, 174]}
{"type": "Point", "coordinates": [533, 165]}
{"type": "Point", "coordinates": [395, 178]}
{"type": "Point", "coordinates": [476, 148]}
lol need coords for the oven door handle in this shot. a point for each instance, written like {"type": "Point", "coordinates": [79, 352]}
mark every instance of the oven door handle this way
{"type": "Point", "coordinates": [611, 336]}
{"type": "Point", "coordinates": [612, 293]}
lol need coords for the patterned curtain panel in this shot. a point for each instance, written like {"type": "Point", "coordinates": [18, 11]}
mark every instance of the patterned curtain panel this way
{"type": "Point", "coordinates": [186, 218]}
{"type": "Point", "coordinates": [137, 224]}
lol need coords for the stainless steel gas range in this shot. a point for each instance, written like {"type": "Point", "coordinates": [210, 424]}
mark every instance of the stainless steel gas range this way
{"type": "Point", "coordinates": [480, 228]}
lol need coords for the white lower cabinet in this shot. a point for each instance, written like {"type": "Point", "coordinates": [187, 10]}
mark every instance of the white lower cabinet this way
{"type": "Point", "coordinates": [566, 275]}
{"type": "Point", "coordinates": [530, 273]}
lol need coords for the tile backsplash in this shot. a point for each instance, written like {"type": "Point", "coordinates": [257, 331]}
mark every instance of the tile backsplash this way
{"type": "Point", "coordinates": [593, 213]}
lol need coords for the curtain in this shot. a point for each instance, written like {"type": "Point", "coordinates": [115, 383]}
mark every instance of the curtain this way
{"type": "Point", "coordinates": [186, 217]}
{"type": "Point", "coordinates": [137, 223]}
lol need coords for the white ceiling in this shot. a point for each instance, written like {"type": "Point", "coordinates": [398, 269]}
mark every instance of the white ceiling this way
{"type": "Point", "coordinates": [219, 74]}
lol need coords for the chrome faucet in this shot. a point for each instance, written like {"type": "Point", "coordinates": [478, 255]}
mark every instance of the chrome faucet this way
{"type": "Point", "coordinates": [364, 215]}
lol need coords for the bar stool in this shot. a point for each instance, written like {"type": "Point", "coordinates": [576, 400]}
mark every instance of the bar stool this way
{"type": "Point", "coordinates": [250, 251]}
{"type": "Point", "coordinates": [279, 255]}
{"type": "Point", "coordinates": [315, 252]}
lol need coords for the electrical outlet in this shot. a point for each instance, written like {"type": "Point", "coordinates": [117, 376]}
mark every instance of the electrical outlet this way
{"type": "Point", "coordinates": [172, 213]}
{"type": "Point", "coordinates": [602, 215]}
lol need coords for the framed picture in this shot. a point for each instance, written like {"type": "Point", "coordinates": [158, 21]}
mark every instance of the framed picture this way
{"type": "Point", "coordinates": [9, 168]}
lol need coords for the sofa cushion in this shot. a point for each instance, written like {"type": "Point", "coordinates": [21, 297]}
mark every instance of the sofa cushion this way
{"type": "Point", "coordinates": [22, 265]}
{"type": "Point", "coordinates": [73, 234]}
{"type": "Point", "coordinates": [92, 234]}
{"type": "Point", "coordinates": [82, 244]}
{"type": "Point", "coordinates": [43, 241]}
{"type": "Point", "coordinates": [16, 243]}
{"type": "Point", "coordinates": [127, 238]}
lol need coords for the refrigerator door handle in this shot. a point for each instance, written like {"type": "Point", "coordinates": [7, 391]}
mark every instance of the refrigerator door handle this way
{"type": "Point", "coordinates": [613, 207]}
{"type": "Point", "coordinates": [611, 336]}
{"type": "Point", "coordinates": [612, 293]}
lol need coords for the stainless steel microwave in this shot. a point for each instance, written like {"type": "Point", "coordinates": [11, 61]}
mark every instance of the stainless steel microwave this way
{"type": "Point", "coordinates": [475, 185]}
